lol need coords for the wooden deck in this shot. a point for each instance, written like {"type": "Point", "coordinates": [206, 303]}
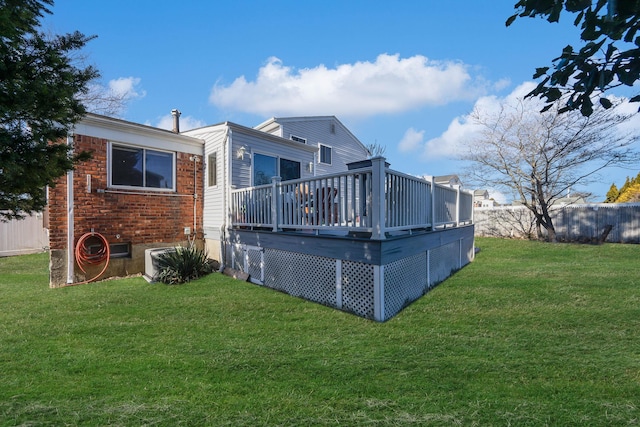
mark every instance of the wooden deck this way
{"type": "Point", "coordinates": [368, 241]}
{"type": "Point", "coordinates": [369, 200]}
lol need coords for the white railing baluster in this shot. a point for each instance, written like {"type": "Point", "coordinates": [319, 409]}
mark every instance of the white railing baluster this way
{"type": "Point", "coordinates": [371, 199]}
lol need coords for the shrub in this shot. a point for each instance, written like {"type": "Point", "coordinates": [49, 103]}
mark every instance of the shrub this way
{"type": "Point", "coordinates": [182, 265]}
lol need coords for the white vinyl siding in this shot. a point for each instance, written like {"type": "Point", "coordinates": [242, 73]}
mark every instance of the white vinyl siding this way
{"type": "Point", "coordinates": [242, 172]}
{"type": "Point", "coordinates": [326, 130]}
{"type": "Point", "coordinates": [213, 209]}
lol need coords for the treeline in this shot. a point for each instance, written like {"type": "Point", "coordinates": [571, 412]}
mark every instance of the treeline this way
{"type": "Point", "coordinates": [628, 193]}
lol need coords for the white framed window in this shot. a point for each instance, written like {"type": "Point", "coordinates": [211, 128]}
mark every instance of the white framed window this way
{"type": "Point", "coordinates": [137, 167]}
{"type": "Point", "coordinates": [298, 139]}
{"type": "Point", "coordinates": [265, 167]}
{"type": "Point", "coordinates": [212, 166]}
{"type": "Point", "coordinates": [325, 154]}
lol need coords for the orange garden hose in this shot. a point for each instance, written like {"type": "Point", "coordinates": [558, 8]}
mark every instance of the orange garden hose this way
{"type": "Point", "coordinates": [86, 257]}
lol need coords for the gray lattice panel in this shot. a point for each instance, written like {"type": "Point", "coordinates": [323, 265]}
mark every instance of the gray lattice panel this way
{"type": "Point", "coordinates": [306, 276]}
{"type": "Point", "coordinates": [357, 288]}
{"type": "Point", "coordinates": [255, 264]}
{"type": "Point", "coordinates": [238, 257]}
{"type": "Point", "coordinates": [443, 261]}
{"type": "Point", "coordinates": [405, 281]}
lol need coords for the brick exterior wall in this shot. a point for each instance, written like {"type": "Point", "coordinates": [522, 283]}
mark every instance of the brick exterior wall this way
{"type": "Point", "coordinates": [141, 217]}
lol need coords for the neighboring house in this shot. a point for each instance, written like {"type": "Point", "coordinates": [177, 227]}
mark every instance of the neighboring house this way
{"type": "Point", "coordinates": [479, 196]}
{"type": "Point", "coordinates": [293, 202]}
{"type": "Point", "coordinates": [481, 199]}
{"type": "Point", "coordinates": [575, 198]}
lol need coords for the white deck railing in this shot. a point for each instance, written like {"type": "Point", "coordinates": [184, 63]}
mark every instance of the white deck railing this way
{"type": "Point", "coordinates": [371, 199]}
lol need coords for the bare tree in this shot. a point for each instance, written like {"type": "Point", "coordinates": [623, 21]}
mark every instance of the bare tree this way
{"type": "Point", "coordinates": [376, 149]}
{"type": "Point", "coordinates": [541, 156]}
{"type": "Point", "coordinates": [101, 99]}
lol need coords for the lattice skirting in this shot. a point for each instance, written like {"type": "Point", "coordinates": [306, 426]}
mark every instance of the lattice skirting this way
{"type": "Point", "coordinates": [376, 292]}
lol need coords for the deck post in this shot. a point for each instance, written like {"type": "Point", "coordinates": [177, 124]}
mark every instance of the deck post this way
{"type": "Point", "coordinates": [275, 203]}
{"type": "Point", "coordinates": [378, 198]}
{"type": "Point", "coordinates": [378, 293]}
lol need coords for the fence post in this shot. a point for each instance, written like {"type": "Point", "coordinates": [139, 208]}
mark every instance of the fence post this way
{"type": "Point", "coordinates": [275, 203]}
{"type": "Point", "coordinates": [433, 202]}
{"type": "Point", "coordinates": [378, 173]}
{"type": "Point", "coordinates": [457, 205]}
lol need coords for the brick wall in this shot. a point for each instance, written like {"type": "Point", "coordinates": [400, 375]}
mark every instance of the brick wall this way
{"type": "Point", "coordinates": [150, 217]}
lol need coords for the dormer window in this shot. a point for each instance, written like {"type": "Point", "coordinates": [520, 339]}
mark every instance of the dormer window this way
{"type": "Point", "coordinates": [298, 139]}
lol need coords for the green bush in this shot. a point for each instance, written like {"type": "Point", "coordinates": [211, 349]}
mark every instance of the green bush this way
{"type": "Point", "coordinates": [182, 265]}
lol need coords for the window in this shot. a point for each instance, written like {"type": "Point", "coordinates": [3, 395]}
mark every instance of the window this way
{"type": "Point", "coordinates": [265, 167]}
{"type": "Point", "coordinates": [213, 169]}
{"type": "Point", "coordinates": [120, 250]}
{"type": "Point", "coordinates": [140, 167]}
{"type": "Point", "coordinates": [298, 139]}
{"type": "Point", "coordinates": [325, 154]}
{"type": "Point", "coordinates": [289, 169]}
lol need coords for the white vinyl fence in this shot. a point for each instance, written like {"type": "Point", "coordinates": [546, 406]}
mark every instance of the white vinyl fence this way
{"type": "Point", "coordinates": [584, 222]}
{"type": "Point", "coordinates": [25, 236]}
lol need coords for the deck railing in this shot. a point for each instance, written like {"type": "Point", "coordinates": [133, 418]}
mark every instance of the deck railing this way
{"type": "Point", "coordinates": [372, 199]}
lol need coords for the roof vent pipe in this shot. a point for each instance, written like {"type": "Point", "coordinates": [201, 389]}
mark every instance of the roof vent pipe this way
{"type": "Point", "coordinates": [176, 120]}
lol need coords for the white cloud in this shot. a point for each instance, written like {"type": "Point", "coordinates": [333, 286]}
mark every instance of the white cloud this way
{"type": "Point", "coordinates": [389, 85]}
{"type": "Point", "coordinates": [111, 99]}
{"type": "Point", "coordinates": [411, 140]}
{"type": "Point", "coordinates": [126, 88]}
{"type": "Point", "coordinates": [462, 129]}
{"type": "Point", "coordinates": [451, 142]}
{"type": "Point", "coordinates": [186, 123]}
{"type": "Point", "coordinates": [498, 196]}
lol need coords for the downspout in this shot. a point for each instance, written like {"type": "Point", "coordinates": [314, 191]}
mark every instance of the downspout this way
{"type": "Point", "coordinates": [226, 194]}
{"type": "Point", "coordinates": [195, 200]}
{"type": "Point", "coordinates": [70, 220]}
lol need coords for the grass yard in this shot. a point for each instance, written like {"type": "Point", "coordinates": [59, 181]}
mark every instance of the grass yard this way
{"type": "Point", "coordinates": [528, 334]}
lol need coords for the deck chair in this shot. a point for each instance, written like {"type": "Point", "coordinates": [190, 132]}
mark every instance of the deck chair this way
{"type": "Point", "coordinates": [326, 206]}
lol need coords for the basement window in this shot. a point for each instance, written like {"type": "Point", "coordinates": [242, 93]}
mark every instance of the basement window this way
{"type": "Point", "coordinates": [117, 250]}
{"type": "Point", "coordinates": [120, 250]}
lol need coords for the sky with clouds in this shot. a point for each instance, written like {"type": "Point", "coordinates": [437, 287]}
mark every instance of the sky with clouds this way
{"type": "Point", "coordinates": [404, 75]}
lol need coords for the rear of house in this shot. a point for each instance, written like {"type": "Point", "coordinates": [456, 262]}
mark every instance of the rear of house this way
{"type": "Point", "coordinates": [294, 202]}
{"type": "Point", "coordinates": [291, 148]}
{"type": "Point", "coordinates": [141, 189]}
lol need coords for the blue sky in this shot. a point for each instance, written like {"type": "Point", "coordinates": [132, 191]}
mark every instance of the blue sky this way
{"type": "Point", "coordinates": [401, 74]}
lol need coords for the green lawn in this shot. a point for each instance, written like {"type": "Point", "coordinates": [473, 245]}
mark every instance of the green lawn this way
{"type": "Point", "coordinates": [528, 334]}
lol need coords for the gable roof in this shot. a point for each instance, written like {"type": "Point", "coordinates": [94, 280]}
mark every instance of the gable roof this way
{"type": "Point", "coordinates": [124, 131]}
{"type": "Point", "coordinates": [250, 131]}
{"type": "Point", "coordinates": [275, 122]}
